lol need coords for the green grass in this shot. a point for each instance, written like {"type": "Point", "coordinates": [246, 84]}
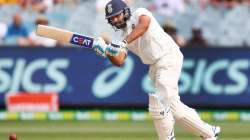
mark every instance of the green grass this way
{"type": "Point", "coordinates": [113, 130]}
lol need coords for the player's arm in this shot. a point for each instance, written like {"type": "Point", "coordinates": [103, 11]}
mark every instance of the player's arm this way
{"type": "Point", "coordinates": [118, 60]}
{"type": "Point", "coordinates": [139, 30]}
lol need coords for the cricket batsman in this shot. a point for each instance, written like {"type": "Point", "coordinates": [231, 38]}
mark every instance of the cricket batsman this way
{"type": "Point", "coordinates": [145, 37]}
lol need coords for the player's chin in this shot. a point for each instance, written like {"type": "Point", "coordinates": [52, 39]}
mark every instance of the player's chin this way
{"type": "Point", "coordinates": [121, 25]}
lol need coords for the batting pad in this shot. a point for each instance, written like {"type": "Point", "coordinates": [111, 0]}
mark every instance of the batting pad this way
{"type": "Point", "coordinates": [162, 118]}
{"type": "Point", "coordinates": [189, 118]}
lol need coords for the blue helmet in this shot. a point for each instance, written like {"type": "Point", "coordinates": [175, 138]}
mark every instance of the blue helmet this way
{"type": "Point", "coordinates": [116, 7]}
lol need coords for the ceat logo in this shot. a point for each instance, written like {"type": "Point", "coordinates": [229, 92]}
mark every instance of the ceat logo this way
{"type": "Point", "coordinates": [82, 40]}
{"type": "Point", "coordinates": [79, 40]}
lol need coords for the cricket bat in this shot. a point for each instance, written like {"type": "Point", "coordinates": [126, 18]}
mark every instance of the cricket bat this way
{"type": "Point", "coordinates": [65, 36]}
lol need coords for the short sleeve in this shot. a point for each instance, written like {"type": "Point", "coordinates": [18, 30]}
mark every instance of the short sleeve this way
{"type": "Point", "coordinates": [142, 11]}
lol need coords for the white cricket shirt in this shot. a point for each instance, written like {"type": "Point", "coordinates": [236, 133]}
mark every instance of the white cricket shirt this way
{"type": "Point", "coordinates": [154, 43]}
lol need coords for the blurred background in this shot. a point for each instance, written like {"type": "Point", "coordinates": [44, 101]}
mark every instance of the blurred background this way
{"type": "Point", "coordinates": [53, 90]}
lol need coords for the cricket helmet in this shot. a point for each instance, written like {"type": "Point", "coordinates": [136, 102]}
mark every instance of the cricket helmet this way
{"type": "Point", "coordinates": [114, 8]}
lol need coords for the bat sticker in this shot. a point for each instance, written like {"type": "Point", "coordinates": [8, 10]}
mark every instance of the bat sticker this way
{"type": "Point", "coordinates": [81, 40]}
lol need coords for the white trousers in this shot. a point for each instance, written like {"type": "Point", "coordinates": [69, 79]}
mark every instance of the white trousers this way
{"type": "Point", "coordinates": [165, 75]}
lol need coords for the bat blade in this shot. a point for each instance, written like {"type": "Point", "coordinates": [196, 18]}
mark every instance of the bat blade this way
{"type": "Point", "coordinates": [64, 36]}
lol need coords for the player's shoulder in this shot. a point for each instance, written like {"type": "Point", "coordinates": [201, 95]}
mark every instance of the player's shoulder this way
{"type": "Point", "coordinates": [142, 11]}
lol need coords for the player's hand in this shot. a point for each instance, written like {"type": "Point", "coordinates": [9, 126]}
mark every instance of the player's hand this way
{"type": "Point", "coordinates": [114, 49]}
{"type": "Point", "coordinates": [100, 47]}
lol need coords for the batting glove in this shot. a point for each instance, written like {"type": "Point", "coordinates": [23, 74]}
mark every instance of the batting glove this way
{"type": "Point", "coordinates": [100, 47]}
{"type": "Point", "coordinates": [114, 49]}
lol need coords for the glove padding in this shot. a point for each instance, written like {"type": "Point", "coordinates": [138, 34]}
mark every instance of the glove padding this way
{"type": "Point", "coordinates": [114, 49]}
{"type": "Point", "coordinates": [100, 47]}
